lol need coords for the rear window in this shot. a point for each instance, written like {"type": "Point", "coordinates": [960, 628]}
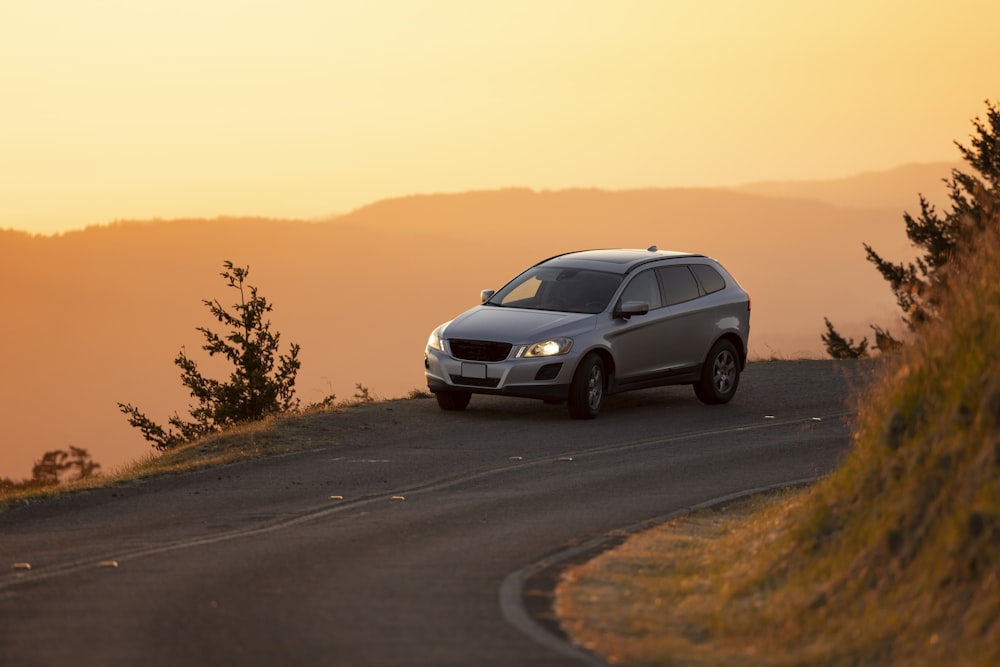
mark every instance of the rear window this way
{"type": "Point", "coordinates": [679, 284]}
{"type": "Point", "coordinates": [709, 278]}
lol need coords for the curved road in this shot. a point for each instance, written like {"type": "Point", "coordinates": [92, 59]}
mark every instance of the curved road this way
{"type": "Point", "coordinates": [435, 554]}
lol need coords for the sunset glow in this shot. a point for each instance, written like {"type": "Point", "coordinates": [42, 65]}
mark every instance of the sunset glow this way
{"type": "Point", "coordinates": [300, 108]}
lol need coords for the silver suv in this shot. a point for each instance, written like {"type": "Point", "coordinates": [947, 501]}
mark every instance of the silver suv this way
{"type": "Point", "coordinates": [580, 326]}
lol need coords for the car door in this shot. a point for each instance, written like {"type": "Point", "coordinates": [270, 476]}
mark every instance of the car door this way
{"type": "Point", "coordinates": [637, 342]}
{"type": "Point", "coordinates": [687, 318]}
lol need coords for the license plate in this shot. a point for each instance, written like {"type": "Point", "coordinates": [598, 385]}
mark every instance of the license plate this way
{"type": "Point", "coordinates": [477, 371]}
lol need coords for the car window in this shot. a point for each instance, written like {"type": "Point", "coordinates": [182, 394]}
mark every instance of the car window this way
{"type": "Point", "coordinates": [709, 278]}
{"type": "Point", "coordinates": [679, 284]}
{"type": "Point", "coordinates": [644, 287]}
{"type": "Point", "coordinates": [561, 289]}
{"type": "Point", "coordinates": [525, 292]}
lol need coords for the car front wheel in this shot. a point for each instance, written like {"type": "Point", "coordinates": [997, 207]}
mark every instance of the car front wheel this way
{"type": "Point", "coordinates": [453, 400]}
{"type": "Point", "coordinates": [586, 393]}
{"type": "Point", "coordinates": [720, 376]}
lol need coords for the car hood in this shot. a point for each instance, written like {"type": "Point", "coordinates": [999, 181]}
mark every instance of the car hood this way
{"type": "Point", "coordinates": [516, 325]}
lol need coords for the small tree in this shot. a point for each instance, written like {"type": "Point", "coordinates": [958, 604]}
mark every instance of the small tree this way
{"type": "Point", "coordinates": [975, 198]}
{"type": "Point", "coordinates": [839, 347]}
{"type": "Point", "coordinates": [53, 466]}
{"type": "Point", "coordinates": [46, 470]}
{"type": "Point", "coordinates": [884, 341]}
{"type": "Point", "coordinates": [262, 382]}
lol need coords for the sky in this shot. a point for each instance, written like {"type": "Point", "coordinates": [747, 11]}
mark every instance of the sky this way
{"type": "Point", "coordinates": [116, 109]}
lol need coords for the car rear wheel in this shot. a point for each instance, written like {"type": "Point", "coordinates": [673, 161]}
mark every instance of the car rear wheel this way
{"type": "Point", "coordinates": [453, 400]}
{"type": "Point", "coordinates": [720, 376]}
{"type": "Point", "coordinates": [586, 393]}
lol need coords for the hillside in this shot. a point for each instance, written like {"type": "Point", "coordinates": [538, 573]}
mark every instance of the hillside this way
{"type": "Point", "coordinates": [97, 316]}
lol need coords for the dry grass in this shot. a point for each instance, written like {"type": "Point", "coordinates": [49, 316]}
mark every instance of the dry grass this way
{"type": "Point", "coordinates": [892, 560]}
{"type": "Point", "coordinates": [658, 598]}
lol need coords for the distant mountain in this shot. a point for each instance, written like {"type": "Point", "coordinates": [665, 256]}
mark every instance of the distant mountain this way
{"type": "Point", "coordinates": [97, 316]}
{"type": "Point", "coordinates": [896, 189]}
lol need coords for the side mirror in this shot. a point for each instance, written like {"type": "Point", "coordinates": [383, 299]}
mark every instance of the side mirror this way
{"type": "Point", "coordinates": [486, 294]}
{"type": "Point", "coordinates": [630, 308]}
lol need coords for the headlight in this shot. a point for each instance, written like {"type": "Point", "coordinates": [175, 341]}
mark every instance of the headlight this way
{"type": "Point", "coordinates": [435, 340]}
{"type": "Point", "coordinates": [549, 348]}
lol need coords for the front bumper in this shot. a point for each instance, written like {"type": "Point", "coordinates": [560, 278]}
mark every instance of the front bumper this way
{"type": "Point", "coordinates": [544, 377]}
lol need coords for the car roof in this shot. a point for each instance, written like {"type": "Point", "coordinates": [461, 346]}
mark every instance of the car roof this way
{"type": "Point", "coordinates": [613, 260]}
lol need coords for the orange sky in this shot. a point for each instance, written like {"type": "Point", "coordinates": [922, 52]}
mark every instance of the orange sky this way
{"type": "Point", "coordinates": [117, 109]}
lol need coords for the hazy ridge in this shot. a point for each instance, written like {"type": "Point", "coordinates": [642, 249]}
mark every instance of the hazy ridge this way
{"type": "Point", "coordinates": [96, 316]}
{"type": "Point", "coordinates": [892, 189]}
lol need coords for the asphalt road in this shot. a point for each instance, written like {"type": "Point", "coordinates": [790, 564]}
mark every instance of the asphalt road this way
{"type": "Point", "coordinates": [438, 552]}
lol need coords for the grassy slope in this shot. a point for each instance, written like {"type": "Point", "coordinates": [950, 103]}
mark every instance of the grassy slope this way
{"type": "Point", "coordinates": [893, 559]}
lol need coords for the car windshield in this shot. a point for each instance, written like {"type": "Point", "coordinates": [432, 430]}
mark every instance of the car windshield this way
{"type": "Point", "coordinates": [560, 289]}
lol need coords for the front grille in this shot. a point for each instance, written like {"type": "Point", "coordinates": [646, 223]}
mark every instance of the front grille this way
{"type": "Point", "coordinates": [478, 350]}
{"type": "Point", "coordinates": [475, 382]}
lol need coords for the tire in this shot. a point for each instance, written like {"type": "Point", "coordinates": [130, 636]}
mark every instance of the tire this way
{"type": "Point", "coordinates": [720, 376]}
{"type": "Point", "coordinates": [453, 400]}
{"type": "Point", "coordinates": [586, 393]}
